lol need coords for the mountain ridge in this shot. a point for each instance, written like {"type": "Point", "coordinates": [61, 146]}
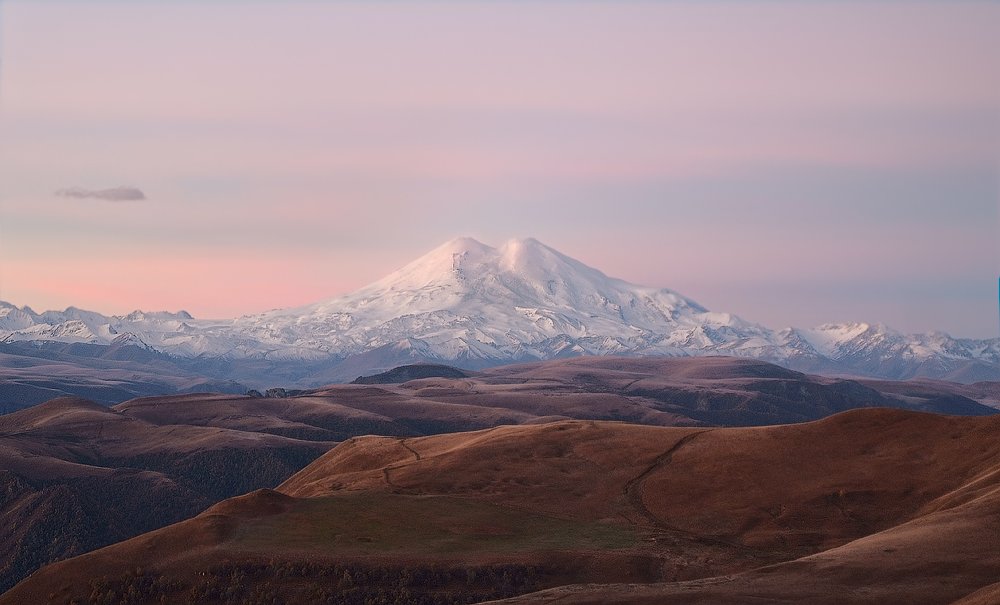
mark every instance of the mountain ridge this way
{"type": "Point", "coordinates": [469, 304]}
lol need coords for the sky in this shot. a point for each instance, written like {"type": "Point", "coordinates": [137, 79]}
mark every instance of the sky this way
{"type": "Point", "coordinates": [794, 163]}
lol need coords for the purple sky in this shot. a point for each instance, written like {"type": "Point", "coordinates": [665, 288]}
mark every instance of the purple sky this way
{"type": "Point", "coordinates": [793, 163]}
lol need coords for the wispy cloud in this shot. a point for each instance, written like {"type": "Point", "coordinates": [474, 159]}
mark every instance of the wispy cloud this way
{"type": "Point", "coordinates": [115, 194]}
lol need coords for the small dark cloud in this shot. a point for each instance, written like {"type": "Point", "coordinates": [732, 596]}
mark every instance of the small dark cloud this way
{"type": "Point", "coordinates": [115, 194]}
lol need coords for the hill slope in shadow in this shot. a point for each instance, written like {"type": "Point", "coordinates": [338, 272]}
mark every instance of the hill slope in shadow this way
{"type": "Point", "coordinates": [863, 507]}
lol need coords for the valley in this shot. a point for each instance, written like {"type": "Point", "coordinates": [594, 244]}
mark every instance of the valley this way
{"type": "Point", "coordinates": [79, 475]}
{"type": "Point", "coordinates": [590, 512]}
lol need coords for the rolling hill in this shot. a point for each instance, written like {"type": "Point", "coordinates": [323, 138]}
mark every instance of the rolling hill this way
{"type": "Point", "coordinates": [77, 475]}
{"type": "Point", "coordinates": [80, 475]}
{"type": "Point", "coordinates": [867, 506]}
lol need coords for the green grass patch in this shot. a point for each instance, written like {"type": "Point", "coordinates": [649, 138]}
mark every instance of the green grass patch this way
{"type": "Point", "coordinates": [379, 523]}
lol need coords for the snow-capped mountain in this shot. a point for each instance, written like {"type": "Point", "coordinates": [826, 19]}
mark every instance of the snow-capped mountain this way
{"type": "Point", "coordinates": [470, 304]}
{"type": "Point", "coordinates": [467, 300]}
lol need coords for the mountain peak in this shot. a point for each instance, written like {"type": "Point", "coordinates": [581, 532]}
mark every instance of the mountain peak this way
{"type": "Point", "coordinates": [466, 264]}
{"type": "Point", "coordinates": [441, 265]}
{"type": "Point", "coordinates": [527, 249]}
{"type": "Point", "coordinates": [538, 263]}
{"type": "Point", "coordinates": [465, 244]}
{"type": "Point", "coordinates": [461, 245]}
{"type": "Point", "coordinates": [468, 300]}
{"type": "Point", "coordinates": [523, 242]}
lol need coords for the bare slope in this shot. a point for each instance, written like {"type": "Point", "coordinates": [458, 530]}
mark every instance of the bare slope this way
{"type": "Point", "coordinates": [864, 507]}
{"type": "Point", "coordinates": [77, 475]}
{"type": "Point", "coordinates": [660, 391]}
{"type": "Point", "coordinates": [70, 466]}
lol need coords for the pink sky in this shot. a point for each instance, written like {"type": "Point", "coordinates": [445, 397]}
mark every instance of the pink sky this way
{"type": "Point", "coordinates": [794, 163]}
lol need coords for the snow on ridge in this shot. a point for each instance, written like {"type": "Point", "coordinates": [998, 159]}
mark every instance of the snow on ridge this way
{"type": "Point", "coordinates": [469, 300]}
{"type": "Point", "coordinates": [520, 293]}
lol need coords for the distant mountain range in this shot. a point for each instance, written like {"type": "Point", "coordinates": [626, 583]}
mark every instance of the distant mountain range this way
{"type": "Point", "coordinates": [471, 305]}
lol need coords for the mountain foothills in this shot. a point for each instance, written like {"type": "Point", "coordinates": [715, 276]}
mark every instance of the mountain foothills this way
{"type": "Point", "coordinates": [471, 305]}
{"type": "Point", "coordinates": [33, 372]}
{"type": "Point", "coordinates": [77, 476]}
{"type": "Point", "coordinates": [864, 507]}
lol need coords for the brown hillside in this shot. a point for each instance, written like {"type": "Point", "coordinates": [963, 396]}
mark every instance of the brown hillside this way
{"type": "Point", "coordinates": [77, 475]}
{"type": "Point", "coordinates": [705, 391]}
{"type": "Point", "coordinates": [869, 506]}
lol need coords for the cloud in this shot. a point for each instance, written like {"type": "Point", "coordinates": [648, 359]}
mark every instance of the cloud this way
{"type": "Point", "coordinates": [115, 194]}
